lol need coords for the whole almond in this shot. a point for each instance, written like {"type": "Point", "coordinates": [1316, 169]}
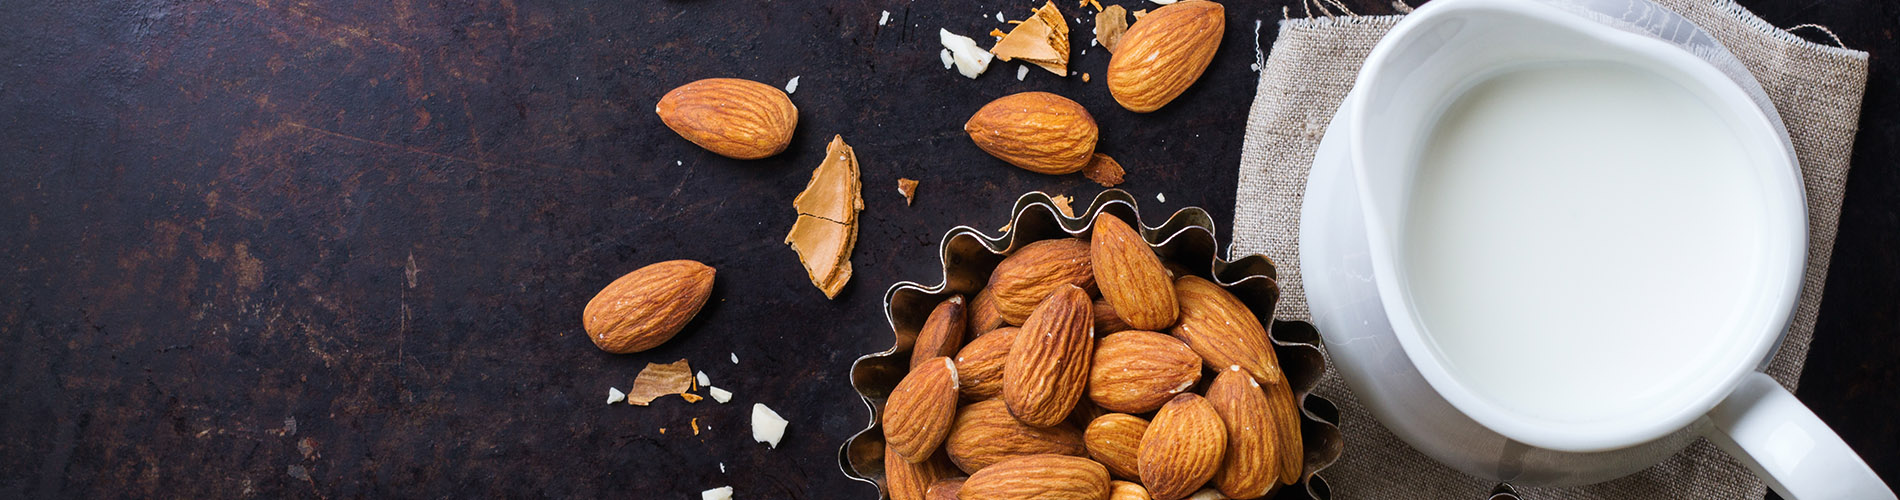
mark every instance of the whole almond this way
{"type": "Point", "coordinates": [908, 481]}
{"type": "Point", "coordinates": [1022, 280]}
{"type": "Point", "coordinates": [984, 317]}
{"type": "Point", "coordinates": [1130, 276]}
{"type": "Point", "coordinates": [1038, 477]}
{"type": "Point", "coordinates": [1182, 448]}
{"type": "Point", "coordinates": [1115, 441]}
{"type": "Point", "coordinates": [739, 119]}
{"type": "Point", "coordinates": [1038, 131]}
{"type": "Point", "coordinates": [918, 414]}
{"type": "Point", "coordinates": [1164, 53]}
{"type": "Point", "coordinates": [1124, 490]}
{"type": "Point", "coordinates": [1286, 419]}
{"type": "Point", "coordinates": [1137, 371]}
{"type": "Point", "coordinates": [1222, 330]}
{"type": "Point", "coordinates": [1048, 365]}
{"type": "Point", "coordinates": [1107, 321]}
{"type": "Point", "coordinates": [980, 364]}
{"type": "Point", "coordinates": [945, 489]}
{"type": "Point", "coordinates": [1251, 466]}
{"type": "Point", "coordinates": [942, 333]}
{"type": "Point", "coordinates": [985, 433]}
{"type": "Point", "coordinates": [648, 306]}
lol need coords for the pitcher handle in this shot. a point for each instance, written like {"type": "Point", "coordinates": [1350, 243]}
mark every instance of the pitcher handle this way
{"type": "Point", "coordinates": [1763, 426]}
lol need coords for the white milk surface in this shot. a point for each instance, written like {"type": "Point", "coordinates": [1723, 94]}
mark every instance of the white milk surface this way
{"type": "Point", "coordinates": [1580, 239]}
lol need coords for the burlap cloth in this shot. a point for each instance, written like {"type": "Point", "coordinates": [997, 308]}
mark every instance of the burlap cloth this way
{"type": "Point", "coordinates": [1816, 88]}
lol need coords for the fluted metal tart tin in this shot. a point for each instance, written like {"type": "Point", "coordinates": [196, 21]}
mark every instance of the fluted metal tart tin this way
{"type": "Point", "coordinates": [1185, 238]}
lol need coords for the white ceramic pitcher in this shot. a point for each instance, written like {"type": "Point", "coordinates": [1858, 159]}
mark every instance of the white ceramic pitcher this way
{"type": "Point", "coordinates": [1381, 348]}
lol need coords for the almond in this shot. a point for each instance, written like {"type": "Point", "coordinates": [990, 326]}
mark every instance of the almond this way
{"type": "Point", "coordinates": [908, 481]}
{"type": "Point", "coordinates": [1222, 330]}
{"type": "Point", "coordinates": [1137, 371]}
{"type": "Point", "coordinates": [1115, 441]}
{"type": "Point", "coordinates": [942, 333]}
{"type": "Point", "coordinates": [1022, 280]}
{"type": "Point", "coordinates": [1164, 53]}
{"type": "Point", "coordinates": [1130, 275]}
{"type": "Point", "coordinates": [980, 364]}
{"type": "Point", "coordinates": [1251, 466]}
{"type": "Point", "coordinates": [648, 306]}
{"type": "Point", "coordinates": [983, 314]}
{"type": "Point", "coordinates": [1038, 131]}
{"type": "Point", "coordinates": [1107, 321]}
{"type": "Point", "coordinates": [985, 433]}
{"type": "Point", "coordinates": [1038, 477]}
{"type": "Point", "coordinates": [1182, 448]}
{"type": "Point", "coordinates": [918, 414]}
{"type": "Point", "coordinates": [1124, 490]}
{"type": "Point", "coordinates": [1048, 365]}
{"type": "Point", "coordinates": [945, 489]}
{"type": "Point", "coordinates": [1286, 419]}
{"type": "Point", "coordinates": [740, 119]}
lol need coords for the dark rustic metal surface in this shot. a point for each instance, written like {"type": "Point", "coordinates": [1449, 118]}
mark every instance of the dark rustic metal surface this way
{"type": "Point", "coordinates": [279, 248]}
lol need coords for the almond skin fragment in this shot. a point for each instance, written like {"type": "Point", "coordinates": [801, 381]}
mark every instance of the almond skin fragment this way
{"type": "Point", "coordinates": [1130, 276]}
{"type": "Point", "coordinates": [1138, 371]}
{"type": "Point", "coordinates": [1040, 477]}
{"type": "Point", "coordinates": [985, 433]}
{"type": "Point", "coordinates": [1025, 278]}
{"type": "Point", "coordinates": [918, 414]}
{"type": "Point", "coordinates": [1038, 131]}
{"type": "Point", "coordinates": [1048, 365]}
{"type": "Point", "coordinates": [980, 364]}
{"type": "Point", "coordinates": [942, 333]}
{"type": "Point", "coordinates": [1251, 466]}
{"type": "Point", "coordinates": [1182, 448]}
{"type": "Point", "coordinates": [648, 306]}
{"type": "Point", "coordinates": [739, 119]}
{"type": "Point", "coordinates": [1115, 441]}
{"type": "Point", "coordinates": [1164, 53]}
{"type": "Point", "coordinates": [1222, 330]}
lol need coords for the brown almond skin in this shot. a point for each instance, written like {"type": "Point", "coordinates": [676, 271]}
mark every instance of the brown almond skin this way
{"type": "Point", "coordinates": [648, 306]}
{"type": "Point", "coordinates": [1164, 53]}
{"type": "Point", "coordinates": [1038, 477]}
{"type": "Point", "coordinates": [740, 119]}
{"type": "Point", "coordinates": [1285, 413]}
{"type": "Point", "coordinates": [1107, 321]}
{"type": "Point", "coordinates": [1130, 276]}
{"type": "Point", "coordinates": [945, 489]}
{"type": "Point", "coordinates": [984, 317]}
{"type": "Point", "coordinates": [980, 364]}
{"type": "Point", "coordinates": [1048, 366]}
{"type": "Point", "coordinates": [942, 333]}
{"type": "Point", "coordinates": [1222, 330]}
{"type": "Point", "coordinates": [1251, 466]}
{"type": "Point", "coordinates": [918, 414]}
{"type": "Point", "coordinates": [1022, 280]}
{"type": "Point", "coordinates": [1124, 490]}
{"type": "Point", "coordinates": [1182, 448]}
{"type": "Point", "coordinates": [1038, 131]}
{"type": "Point", "coordinates": [1115, 441]}
{"type": "Point", "coordinates": [985, 433]}
{"type": "Point", "coordinates": [1137, 371]}
{"type": "Point", "coordinates": [910, 481]}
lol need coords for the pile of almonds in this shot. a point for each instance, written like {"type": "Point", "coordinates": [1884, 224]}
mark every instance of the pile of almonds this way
{"type": "Point", "coordinates": [1164, 387]}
